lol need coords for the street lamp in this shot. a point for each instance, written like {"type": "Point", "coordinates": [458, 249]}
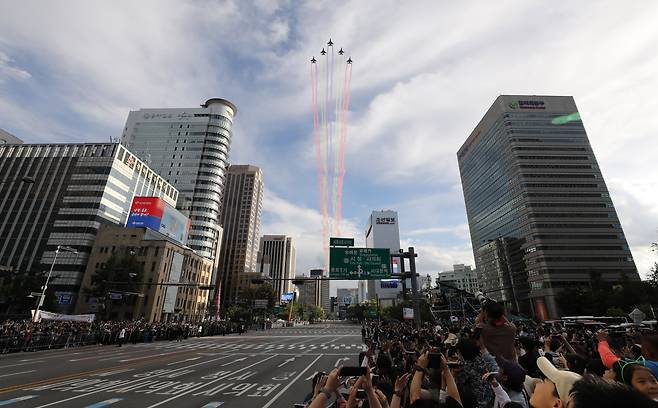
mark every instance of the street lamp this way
{"type": "Point", "coordinates": [45, 286]}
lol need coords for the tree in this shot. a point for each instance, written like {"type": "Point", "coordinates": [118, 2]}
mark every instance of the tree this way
{"type": "Point", "coordinates": [15, 289]}
{"type": "Point", "coordinates": [120, 274]}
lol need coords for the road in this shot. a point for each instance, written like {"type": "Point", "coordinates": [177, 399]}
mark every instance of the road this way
{"type": "Point", "coordinates": [269, 368]}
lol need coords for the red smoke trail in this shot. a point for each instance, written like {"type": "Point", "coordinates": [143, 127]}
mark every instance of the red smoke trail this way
{"type": "Point", "coordinates": [343, 140]}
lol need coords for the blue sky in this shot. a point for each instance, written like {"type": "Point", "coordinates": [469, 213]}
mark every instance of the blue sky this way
{"type": "Point", "coordinates": [423, 75]}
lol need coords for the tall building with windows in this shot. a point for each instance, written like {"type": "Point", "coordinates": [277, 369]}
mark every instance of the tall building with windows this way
{"type": "Point", "coordinates": [382, 231]}
{"type": "Point", "coordinates": [461, 276]}
{"type": "Point", "coordinates": [277, 259]}
{"type": "Point", "coordinates": [539, 212]}
{"type": "Point", "coordinates": [242, 207]}
{"type": "Point", "coordinates": [60, 194]}
{"type": "Point", "coordinates": [189, 147]}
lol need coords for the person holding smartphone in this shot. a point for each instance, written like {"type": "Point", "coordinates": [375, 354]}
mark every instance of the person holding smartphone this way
{"type": "Point", "coordinates": [418, 398]}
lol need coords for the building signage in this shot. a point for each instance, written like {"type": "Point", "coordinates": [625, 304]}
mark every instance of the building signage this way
{"type": "Point", "coordinates": [181, 115]}
{"type": "Point", "coordinates": [389, 284]}
{"type": "Point", "coordinates": [385, 220]}
{"type": "Point", "coordinates": [155, 214]}
{"type": "Point", "coordinates": [146, 212]}
{"type": "Point", "coordinates": [527, 105]}
{"type": "Point", "coordinates": [359, 263]}
{"type": "Point", "coordinates": [346, 242]}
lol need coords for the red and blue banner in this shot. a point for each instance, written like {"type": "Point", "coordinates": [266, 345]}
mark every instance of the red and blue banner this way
{"type": "Point", "coordinates": [146, 212]}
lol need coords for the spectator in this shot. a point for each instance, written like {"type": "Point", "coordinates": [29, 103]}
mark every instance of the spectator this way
{"type": "Point", "coordinates": [476, 363]}
{"type": "Point", "coordinates": [555, 390]}
{"type": "Point", "coordinates": [595, 392]}
{"type": "Point", "coordinates": [529, 360]}
{"type": "Point", "coordinates": [497, 332]}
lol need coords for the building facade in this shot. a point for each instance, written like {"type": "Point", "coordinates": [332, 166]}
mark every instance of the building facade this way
{"type": "Point", "coordinates": [540, 214]}
{"type": "Point", "coordinates": [347, 296]}
{"type": "Point", "coordinates": [163, 261]}
{"type": "Point", "coordinates": [74, 189]}
{"type": "Point", "coordinates": [190, 148]}
{"type": "Point", "coordinates": [242, 208]}
{"type": "Point", "coordinates": [462, 277]}
{"type": "Point", "coordinates": [277, 260]}
{"type": "Point", "coordinates": [324, 300]}
{"type": "Point", "coordinates": [382, 231]}
{"type": "Point", "coordinates": [8, 138]}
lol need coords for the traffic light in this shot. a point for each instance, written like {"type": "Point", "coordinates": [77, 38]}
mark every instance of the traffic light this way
{"type": "Point", "coordinates": [206, 287]}
{"type": "Point", "coordinates": [298, 282]}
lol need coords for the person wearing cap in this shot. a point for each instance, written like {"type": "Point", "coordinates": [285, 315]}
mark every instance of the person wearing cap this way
{"type": "Point", "coordinates": [554, 390]}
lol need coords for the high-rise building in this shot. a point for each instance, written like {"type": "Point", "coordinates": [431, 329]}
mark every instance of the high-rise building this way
{"type": "Point", "coordinates": [383, 231]}
{"type": "Point", "coordinates": [241, 211]}
{"type": "Point", "coordinates": [461, 276]}
{"type": "Point", "coordinates": [73, 189]}
{"type": "Point", "coordinates": [189, 147]}
{"type": "Point", "coordinates": [8, 138]}
{"type": "Point", "coordinates": [322, 289]}
{"type": "Point", "coordinates": [277, 260]}
{"type": "Point", "coordinates": [347, 296]}
{"type": "Point", "coordinates": [540, 214]}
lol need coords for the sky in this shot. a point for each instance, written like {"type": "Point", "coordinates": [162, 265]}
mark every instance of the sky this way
{"type": "Point", "coordinates": [423, 76]}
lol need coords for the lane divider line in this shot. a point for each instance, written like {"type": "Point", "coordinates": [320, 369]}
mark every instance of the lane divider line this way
{"type": "Point", "coordinates": [18, 399]}
{"type": "Point", "coordinates": [294, 380]}
{"type": "Point", "coordinates": [104, 403]}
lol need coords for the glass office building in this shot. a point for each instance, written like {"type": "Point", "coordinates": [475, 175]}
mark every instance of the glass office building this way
{"type": "Point", "coordinates": [539, 212]}
{"type": "Point", "coordinates": [71, 190]}
{"type": "Point", "coordinates": [189, 147]}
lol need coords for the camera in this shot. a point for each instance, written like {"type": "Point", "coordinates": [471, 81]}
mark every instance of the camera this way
{"type": "Point", "coordinates": [482, 298]}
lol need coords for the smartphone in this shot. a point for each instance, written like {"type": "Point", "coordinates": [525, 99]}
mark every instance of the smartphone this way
{"type": "Point", "coordinates": [353, 371]}
{"type": "Point", "coordinates": [375, 380]}
{"type": "Point", "coordinates": [492, 376]}
{"type": "Point", "coordinates": [434, 360]}
{"type": "Point", "coordinates": [300, 406]}
{"type": "Point", "coordinates": [361, 394]}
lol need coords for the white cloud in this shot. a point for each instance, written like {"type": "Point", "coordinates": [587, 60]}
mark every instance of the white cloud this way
{"type": "Point", "coordinates": [9, 70]}
{"type": "Point", "coordinates": [424, 74]}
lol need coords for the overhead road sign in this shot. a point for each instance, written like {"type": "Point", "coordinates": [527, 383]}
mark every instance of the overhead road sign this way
{"type": "Point", "coordinates": [359, 263]}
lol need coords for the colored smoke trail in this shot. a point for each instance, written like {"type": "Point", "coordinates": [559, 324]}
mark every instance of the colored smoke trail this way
{"type": "Point", "coordinates": [330, 92]}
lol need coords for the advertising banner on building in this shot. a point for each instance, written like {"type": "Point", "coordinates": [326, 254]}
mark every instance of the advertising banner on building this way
{"type": "Point", "coordinates": [155, 214]}
{"type": "Point", "coordinates": [146, 212]}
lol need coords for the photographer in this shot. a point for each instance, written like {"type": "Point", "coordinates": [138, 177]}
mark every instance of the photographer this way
{"type": "Point", "coordinates": [498, 334]}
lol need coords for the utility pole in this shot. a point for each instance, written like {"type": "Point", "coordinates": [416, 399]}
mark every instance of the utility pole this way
{"type": "Point", "coordinates": [414, 284]}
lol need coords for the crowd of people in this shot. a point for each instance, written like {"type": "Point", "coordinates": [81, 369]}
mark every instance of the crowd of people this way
{"type": "Point", "coordinates": [26, 335]}
{"type": "Point", "coordinates": [492, 362]}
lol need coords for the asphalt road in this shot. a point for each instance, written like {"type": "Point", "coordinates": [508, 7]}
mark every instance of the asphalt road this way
{"type": "Point", "coordinates": [269, 368]}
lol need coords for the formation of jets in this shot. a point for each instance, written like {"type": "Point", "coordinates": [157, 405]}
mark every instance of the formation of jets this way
{"type": "Point", "coordinates": [323, 52]}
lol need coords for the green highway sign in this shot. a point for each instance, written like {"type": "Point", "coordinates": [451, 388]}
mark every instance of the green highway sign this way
{"type": "Point", "coordinates": [359, 263]}
{"type": "Point", "coordinates": [344, 242]}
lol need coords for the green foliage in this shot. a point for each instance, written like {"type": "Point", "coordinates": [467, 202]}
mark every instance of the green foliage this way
{"type": "Point", "coordinates": [604, 298]}
{"type": "Point", "coordinates": [119, 274]}
{"type": "Point", "coordinates": [14, 291]}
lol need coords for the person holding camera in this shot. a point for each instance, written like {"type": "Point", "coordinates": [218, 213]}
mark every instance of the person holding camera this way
{"type": "Point", "coordinates": [498, 334]}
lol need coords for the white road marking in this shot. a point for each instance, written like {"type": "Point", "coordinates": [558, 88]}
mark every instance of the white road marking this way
{"type": "Point", "coordinates": [22, 372]}
{"type": "Point", "coordinates": [18, 399]}
{"type": "Point", "coordinates": [209, 383]}
{"type": "Point", "coordinates": [104, 403]}
{"type": "Point", "coordinates": [286, 361]}
{"type": "Point", "coordinates": [339, 360]}
{"type": "Point", "coordinates": [284, 389]}
{"type": "Point", "coordinates": [235, 361]}
{"type": "Point", "coordinates": [22, 364]}
{"type": "Point", "coordinates": [182, 361]}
